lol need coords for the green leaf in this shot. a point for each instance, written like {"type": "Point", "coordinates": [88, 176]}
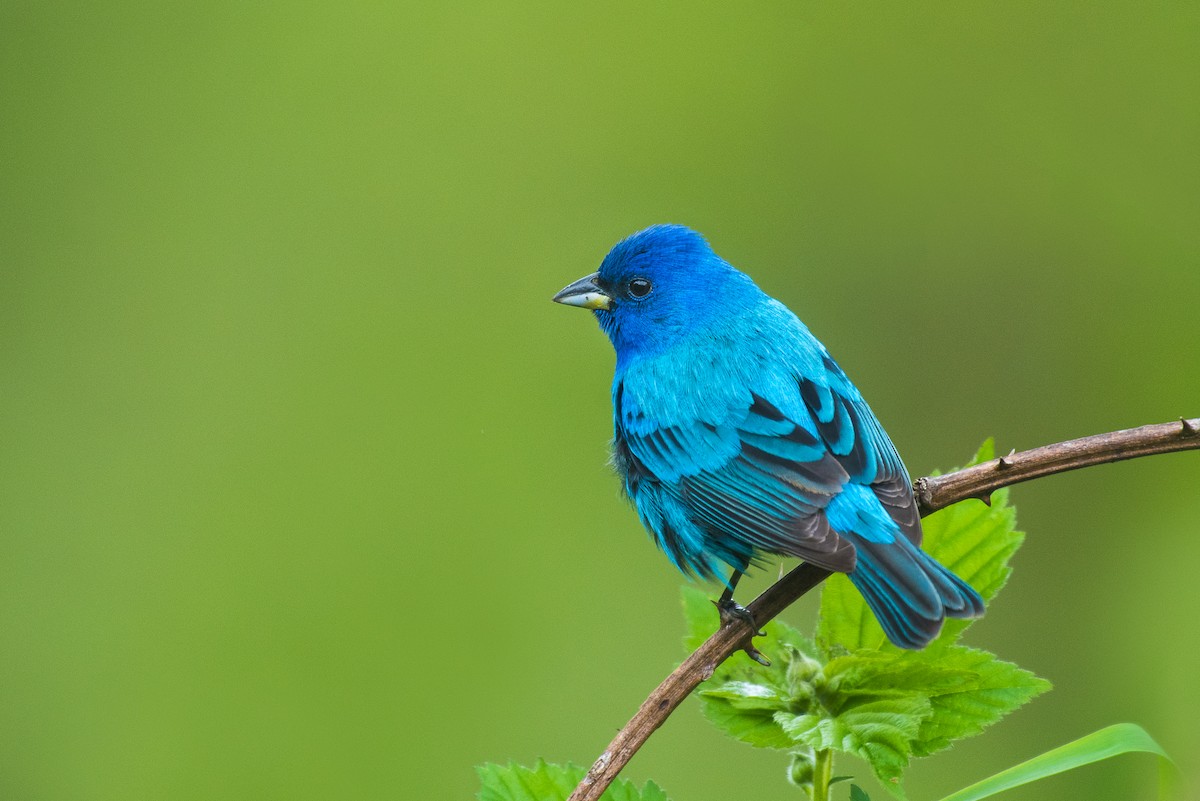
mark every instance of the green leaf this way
{"type": "Point", "coordinates": [549, 782]}
{"type": "Point", "coordinates": [874, 673]}
{"type": "Point", "coordinates": [995, 688]}
{"type": "Point", "coordinates": [888, 706]}
{"type": "Point", "coordinates": [858, 794]}
{"type": "Point", "coordinates": [873, 705]}
{"type": "Point", "coordinates": [742, 697]}
{"type": "Point", "coordinates": [972, 539]}
{"type": "Point", "coordinates": [1123, 738]}
{"type": "Point", "coordinates": [746, 712]}
{"type": "Point", "coordinates": [879, 730]}
{"type": "Point", "coordinates": [701, 616]}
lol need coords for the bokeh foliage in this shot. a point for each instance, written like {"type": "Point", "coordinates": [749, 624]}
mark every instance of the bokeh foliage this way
{"type": "Point", "coordinates": [302, 487]}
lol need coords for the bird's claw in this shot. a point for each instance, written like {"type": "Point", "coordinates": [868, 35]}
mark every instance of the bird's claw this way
{"type": "Point", "coordinates": [730, 612]}
{"type": "Point", "coordinates": [757, 655]}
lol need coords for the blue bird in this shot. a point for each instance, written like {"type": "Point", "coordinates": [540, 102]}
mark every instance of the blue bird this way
{"type": "Point", "coordinates": [737, 435]}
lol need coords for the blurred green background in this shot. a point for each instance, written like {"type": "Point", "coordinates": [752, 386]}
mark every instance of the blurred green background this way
{"type": "Point", "coordinates": [303, 489]}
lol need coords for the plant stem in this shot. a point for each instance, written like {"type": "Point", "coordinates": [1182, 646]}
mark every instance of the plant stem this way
{"type": "Point", "coordinates": [822, 773]}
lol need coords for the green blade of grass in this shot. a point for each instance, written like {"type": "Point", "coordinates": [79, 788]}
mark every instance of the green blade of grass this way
{"type": "Point", "coordinates": [1123, 738]}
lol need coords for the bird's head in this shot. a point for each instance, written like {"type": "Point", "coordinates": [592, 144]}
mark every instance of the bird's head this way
{"type": "Point", "coordinates": [657, 287]}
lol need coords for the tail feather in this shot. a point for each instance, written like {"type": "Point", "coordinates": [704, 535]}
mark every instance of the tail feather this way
{"type": "Point", "coordinates": [902, 627]}
{"type": "Point", "coordinates": [909, 592]}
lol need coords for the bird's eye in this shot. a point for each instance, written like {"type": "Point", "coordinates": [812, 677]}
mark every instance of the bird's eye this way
{"type": "Point", "coordinates": [639, 287]}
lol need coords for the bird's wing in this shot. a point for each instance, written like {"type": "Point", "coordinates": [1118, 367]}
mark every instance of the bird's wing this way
{"type": "Point", "coordinates": [757, 476]}
{"type": "Point", "coordinates": [855, 437]}
{"type": "Point", "coordinates": [762, 475]}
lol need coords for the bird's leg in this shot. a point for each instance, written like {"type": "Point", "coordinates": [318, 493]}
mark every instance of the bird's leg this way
{"type": "Point", "coordinates": [726, 603]}
{"type": "Point", "coordinates": [730, 610]}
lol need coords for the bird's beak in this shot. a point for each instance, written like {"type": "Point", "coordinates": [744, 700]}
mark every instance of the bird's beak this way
{"type": "Point", "coordinates": [585, 293]}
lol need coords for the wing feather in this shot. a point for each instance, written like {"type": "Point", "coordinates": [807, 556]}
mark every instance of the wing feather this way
{"type": "Point", "coordinates": [760, 478]}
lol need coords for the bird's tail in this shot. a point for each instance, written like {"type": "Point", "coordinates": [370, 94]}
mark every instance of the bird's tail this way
{"type": "Point", "coordinates": [909, 592]}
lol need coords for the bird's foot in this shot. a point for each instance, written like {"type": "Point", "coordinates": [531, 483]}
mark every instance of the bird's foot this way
{"type": "Point", "coordinates": [732, 612]}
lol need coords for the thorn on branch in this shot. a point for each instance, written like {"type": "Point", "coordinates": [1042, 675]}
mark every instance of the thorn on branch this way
{"type": "Point", "coordinates": [1005, 462]}
{"type": "Point", "coordinates": [1189, 429]}
{"type": "Point", "coordinates": [986, 498]}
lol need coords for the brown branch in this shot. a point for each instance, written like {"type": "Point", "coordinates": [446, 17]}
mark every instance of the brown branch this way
{"type": "Point", "coordinates": [982, 480]}
{"type": "Point", "coordinates": [933, 493]}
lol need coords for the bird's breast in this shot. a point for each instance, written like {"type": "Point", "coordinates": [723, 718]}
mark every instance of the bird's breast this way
{"type": "Point", "coordinates": [681, 387]}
